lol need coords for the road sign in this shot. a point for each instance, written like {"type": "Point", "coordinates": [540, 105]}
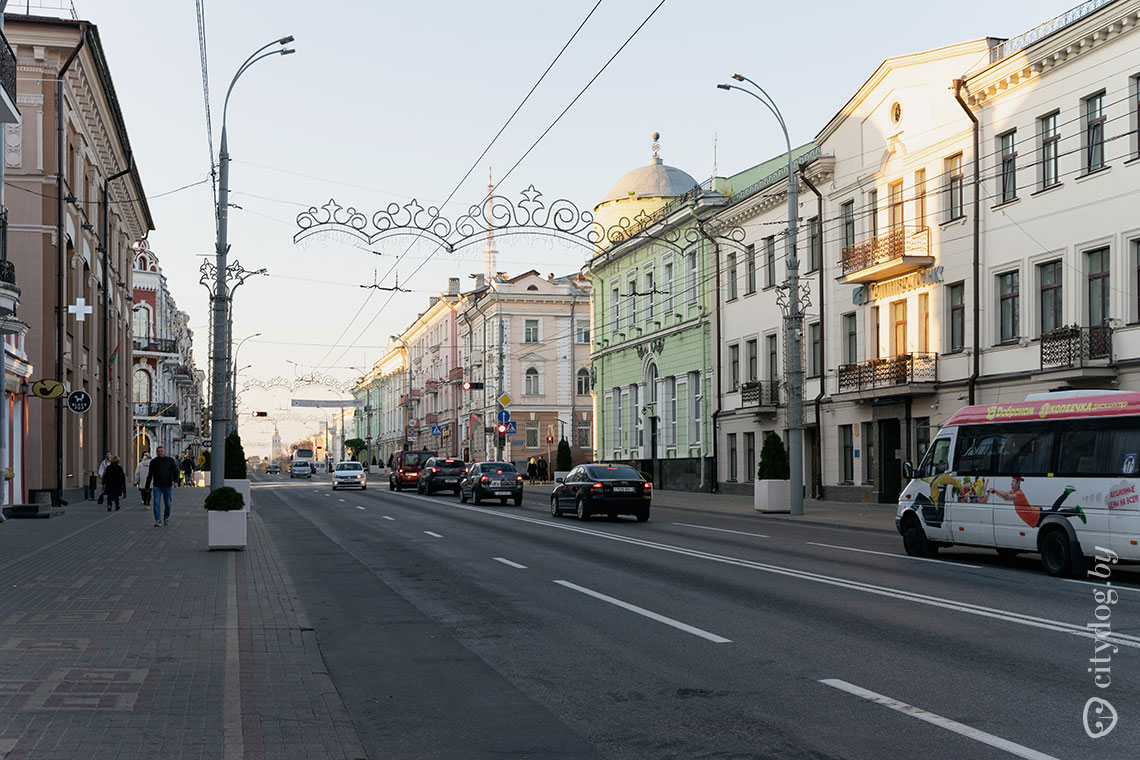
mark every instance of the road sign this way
{"type": "Point", "coordinates": [208, 443]}
{"type": "Point", "coordinates": [79, 401]}
{"type": "Point", "coordinates": [505, 399]}
{"type": "Point", "coordinates": [412, 422]}
{"type": "Point", "coordinates": [512, 428]}
{"type": "Point", "coordinates": [411, 433]}
{"type": "Point", "coordinates": [437, 430]}
{"type": "Point", "coordinates": [503, 416]}
{"type": "Point", "coordinates": [47, 388]}
{"type": "Point", "coordinates": [368, 438]}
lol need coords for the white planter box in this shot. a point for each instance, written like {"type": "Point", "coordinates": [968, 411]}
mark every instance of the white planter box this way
{"type": "Point", "coordinates": [226, 530]}
{"type": "Point", "coordinates": [242, 486]}
{"type": "Point", "coordinates": [772, 496]}
{"type": "Point", "coordinates": [202, 479]}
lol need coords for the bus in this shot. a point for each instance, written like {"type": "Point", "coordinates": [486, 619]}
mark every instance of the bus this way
{"type": "Point", "coordinates": [1056, 474]}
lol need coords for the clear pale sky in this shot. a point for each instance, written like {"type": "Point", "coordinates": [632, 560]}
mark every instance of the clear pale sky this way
{"type": "Point", "coordinates": [386, 101]}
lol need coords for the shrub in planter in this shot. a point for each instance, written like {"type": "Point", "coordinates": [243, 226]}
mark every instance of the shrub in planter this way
{"type": "Point", "coordinates": [235, 457]}
{"type": "Point", "coordinates": [565, 462]}
{"type": "Point", "coordinates": [224, 499]}
{"type": "Point", "coordinates": [774, 463]}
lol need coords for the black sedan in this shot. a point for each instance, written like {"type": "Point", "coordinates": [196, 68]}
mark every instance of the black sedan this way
{"type": "Point", "coordinates": [441, 474]}
{"type": "Point", "coordinates": [492, 480]}
{"type": "Point", "coordinates": [602, 489]}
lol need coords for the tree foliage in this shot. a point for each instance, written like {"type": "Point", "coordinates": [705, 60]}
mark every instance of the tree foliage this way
{"type": "Point", "coordinates": [355, 446]}
{"type": "Point", "coordinates": [773, 460]}
{"type": "Point", "coordinates": [235, 457]}
{"type": "Point", "coordinates": [565, 462]}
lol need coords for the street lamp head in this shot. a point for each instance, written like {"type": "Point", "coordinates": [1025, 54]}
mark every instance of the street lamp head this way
{"type": "Point", "coordinates": [285, 40]}
{"type": "Point", "coordinates": [724, 86]}
{"type": "Point", "coordinates": [288, 51]}
{"type": "Point", "coordinates": [738, 77]}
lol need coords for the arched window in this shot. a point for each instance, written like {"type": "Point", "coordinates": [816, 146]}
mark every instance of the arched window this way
{"type": "Point", "coordinates": [531, 376]}
{"type": "Point", "coordinates": [141, 323]}
{"type": "Point", "coordinates": [583, 382]}
{"type": "Point", "coordinates": [651, 382]}
{"type": "Point", "coordinates": [141, 394]}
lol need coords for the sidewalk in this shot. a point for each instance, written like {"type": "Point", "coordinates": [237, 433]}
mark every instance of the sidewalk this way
{"type": "Point", "coordinates": [874, 517]}
{"type": "Point", "coordinates": [120, 639]}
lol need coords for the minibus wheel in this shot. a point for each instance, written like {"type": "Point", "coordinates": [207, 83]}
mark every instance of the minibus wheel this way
{"type": "Point", "coordinates": [914, 539]}
{"type": "Point", "coordinates": [1056, 554]}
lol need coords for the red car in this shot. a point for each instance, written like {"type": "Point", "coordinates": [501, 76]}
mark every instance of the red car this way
{"type": "Point", "coordinates": [406, 469]}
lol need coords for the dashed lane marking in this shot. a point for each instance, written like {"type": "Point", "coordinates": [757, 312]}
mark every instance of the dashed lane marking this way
{"type": "Point", "coordinates": [646, 613]}
{"type": "Point", "coordinates": [359, 507]}
{"type": "Point", "coordinates": [508, 563]}
{"type": "Point", "coordinates": [388, 518]}
{"type": "Point", "coordinates": [433, 535]}
{"type": "Point", "coordinates": [721, 530]}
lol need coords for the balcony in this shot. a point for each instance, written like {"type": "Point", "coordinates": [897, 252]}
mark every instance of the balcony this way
{"type": "Point", "coordinates": [455, 373]}
{"type": "Point", "coordinates": [886, 256]}
{"type": "Point", "coordinates": [904, 373]}
{"type": "Point", "coordinates": [760, 393]}
{"type": "Point", "coordinates": [190, 428]}
{"type": "Point", "coordinates": [183, 374]}
{"type": "Point", "coordinates": [431, 419]}
{"type": "Point", "coordinates": [8, 111]}
{"type": "Point", "coordinates": [1076, 348]}
{"type": "Point", "coordinates": [431, 386]}
{"type": "Point", "coordinates": [156, 409]}
{"type": "Point", "coordinates": [156, 345]}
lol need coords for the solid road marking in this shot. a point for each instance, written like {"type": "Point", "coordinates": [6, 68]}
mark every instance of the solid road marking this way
{"type": "Point", "coordinates": [507, 562]}
{"type": "Point", "coordinates": [896, 556]}
{"type": "Point", "coordinates": [938, 720]}
{"type": "Point", "coordinates": [433, 535]}
{"type": "Point", "coordinates": [646, 613]}
{"type": "Point", "coordinates": [721, 530]}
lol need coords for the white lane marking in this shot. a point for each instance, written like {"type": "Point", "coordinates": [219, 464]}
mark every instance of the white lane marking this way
{"type": "Point", "coordinates": [646, 613]}
{"type": "Point", "coordinates": [340, 499]}
{"type": "Point", "coordinates": [937, 720]}
{"type": "Point", "coordinates": [507, 562]}
{"type": "Point", "coordinates": [1122, 639]}
{"type": "Point", "coordinates": [388, 518]}
{"type": "Point", "coordinates": [433, 535]}
{"type": "Point", "coordinates": [896, 556]}
{"type": "Point", "coordinates": [721, 530]}
{"type": "Point", "coordinates": [359, 507]}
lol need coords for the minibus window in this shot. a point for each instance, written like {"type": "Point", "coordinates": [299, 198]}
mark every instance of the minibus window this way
{"type": "Point", "coordinates": [937, 459]}
{"type": "Point", "coordinates": [1026, 452]}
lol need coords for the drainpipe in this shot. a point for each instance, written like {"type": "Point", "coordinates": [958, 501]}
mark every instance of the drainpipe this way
{"type": "Point", "coordinates": [977, 239]}
{"type": "Point", "coordinates": [817, 449]}
{"type": "Point", "coordinates": [105, 401]}
{"type": "Point", "coordinates": [61, 248]}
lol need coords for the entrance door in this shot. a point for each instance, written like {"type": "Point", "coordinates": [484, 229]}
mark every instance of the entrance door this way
{"type": "Point", "coordinates": [890, 467]}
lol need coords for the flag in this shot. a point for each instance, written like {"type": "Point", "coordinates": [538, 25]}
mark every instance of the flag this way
{"type": "Point", "coordinates": [114, 356]}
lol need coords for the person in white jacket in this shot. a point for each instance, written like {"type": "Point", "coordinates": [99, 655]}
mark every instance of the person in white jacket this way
{"type": "Point", "coordinates": [141, 473]}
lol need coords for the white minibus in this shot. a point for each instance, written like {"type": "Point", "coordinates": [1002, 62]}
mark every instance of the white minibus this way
{"type": "Point", "coordinates": [1056, 474]}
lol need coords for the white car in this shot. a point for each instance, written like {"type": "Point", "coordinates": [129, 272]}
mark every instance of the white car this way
{"type": "Point", "coordinates": [349, 475]}
{"type": "Point", "coordinates": [300, 469]}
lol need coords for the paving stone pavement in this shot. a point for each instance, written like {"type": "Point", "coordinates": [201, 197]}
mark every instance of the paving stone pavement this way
{"type": "Point", "coordinates": [122, 640]}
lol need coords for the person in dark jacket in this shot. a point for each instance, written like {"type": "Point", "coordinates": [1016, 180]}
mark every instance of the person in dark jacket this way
{"type": "Point", "coordinates": [163, 472]}
{"type": "Point", "coordinates": [187, 471]}
{"type": "Point", "coordinates": [114, 483]}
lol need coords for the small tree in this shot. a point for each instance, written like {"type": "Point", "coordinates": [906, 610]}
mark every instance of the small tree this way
{"type": "Point", "coordinates": [773, 460]}
{"type": "Point", "coordinates": [235, 457]}
{"type": "Point", "coordinates": [565, 460]}
{"type": "Point", "coordinates": [355, 446]}
{"type": "Point", "coordinates": [224, 499]}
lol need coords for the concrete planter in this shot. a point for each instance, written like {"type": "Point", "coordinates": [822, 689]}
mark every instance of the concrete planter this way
{"type": "Point", "coordinates": [202, 479]}
{"type": "Point", "coordinates": [772, 496]}
{"type": "Point", "coordinates": [242, 486]}
{"type": "Point", "coordinates": [226, 530]}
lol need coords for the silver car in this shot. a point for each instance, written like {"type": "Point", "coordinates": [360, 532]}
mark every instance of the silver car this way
{"type": "Point", "coordinates": [349, 475]}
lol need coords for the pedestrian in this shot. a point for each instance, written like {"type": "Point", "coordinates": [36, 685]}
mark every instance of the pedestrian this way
{"type": "Point", "coordinates": [102, 469]}
{"type": "Point", "coordinates": [140, 479]}
{"type": "Point", "coordinates": [543, 468]}
{"type": "Point", "coordinates": [163, 472]}
{"type": "Point", "coordinates": [114, 483]}
{"type": "Point", "coordinates": [187, 469]}
{"type": "Point", "coordinates": [531, 470]}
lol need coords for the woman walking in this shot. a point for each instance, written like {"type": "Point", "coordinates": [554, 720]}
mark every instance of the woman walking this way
{"type": "Point", "coordinates": [531, 470]}
{"type": "Point", "coordinates": [114, 483]}
{"type": "Point", "coordinates": [140, 479]}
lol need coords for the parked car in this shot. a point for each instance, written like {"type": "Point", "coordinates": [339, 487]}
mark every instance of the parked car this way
{"type": "Point", "coordinates": [602, 489]}
{"type": "Point", "coordinates": [406, 466]}
{"type": "Point", "coordinates": [441, 474]}
{"type": "Point", "coordinates": [273, 469]}
{"type": "Point", "coordinates": [492, 480]}
{"type": "Point", "coordinates": [349, 475]}
{"type": "Point", "coordinates": [300, 469]}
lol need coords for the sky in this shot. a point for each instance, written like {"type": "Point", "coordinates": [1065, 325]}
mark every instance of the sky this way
{"type": "Point", "coordinates": [384, 102]}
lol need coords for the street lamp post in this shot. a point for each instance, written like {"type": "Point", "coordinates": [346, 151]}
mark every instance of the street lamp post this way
{"type": "Point", "coordinates": [221, 344]}
{"type": "Point", "coordinates": [793, 318]}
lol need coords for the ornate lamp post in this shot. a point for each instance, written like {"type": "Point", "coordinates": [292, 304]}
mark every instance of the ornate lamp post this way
{"type": "Point", "coordinates": [221, 298]}
{"type": "Point", "coordinates": [793, 317]}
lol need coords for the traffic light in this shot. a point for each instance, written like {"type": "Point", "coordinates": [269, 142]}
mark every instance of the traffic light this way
{"type": "Point", "coordinates": [261, 414]}
{"type": "Point", "coordinates": [502, 433]}
{"type": "Point", "coordinates": [470, 386]}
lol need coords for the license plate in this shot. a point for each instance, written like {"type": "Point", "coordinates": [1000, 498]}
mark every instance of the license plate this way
{"type": "Point", "coordinates": [624, 489]}
{"type": "Point", "coordinates": [451, 480]}
{"type": "Point", "coordinates": [502, 493]}
{"type": "Point", "coordinates": [496, 483]}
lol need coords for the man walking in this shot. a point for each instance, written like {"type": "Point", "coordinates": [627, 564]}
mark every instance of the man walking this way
{"type": "Point", "coordinates": [163, 471]}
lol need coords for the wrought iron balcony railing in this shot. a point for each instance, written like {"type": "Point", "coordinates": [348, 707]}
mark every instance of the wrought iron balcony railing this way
{"type": "Point", "coordinates": [159, 345]}
{"type": "Point", "coordinates": [887, 371]}
{"type": "Point", "coordinates": [884, 248]}
{"type": "Point", "coordinates": [156, 409]}
{"type": "Point", "coordinates": [7, 68]}
{"type": "Point", "coordinates": [1076, 346]}
{"type": "Point", "coordinates": [760, 393]}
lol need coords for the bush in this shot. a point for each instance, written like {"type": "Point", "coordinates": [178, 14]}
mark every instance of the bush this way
{"type": "Point", "coordinates": [773, 460]}
{"type": "Point", "coordinates": [647, 475]}
{"type": "Point", "coordinates": [565, 462]}
{"type": "Point", "coordinates": [224, 499]}
{"type": "Point", "coordinates": [235, 457]}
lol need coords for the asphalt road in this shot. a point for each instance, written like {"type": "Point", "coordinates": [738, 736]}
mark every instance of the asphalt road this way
{"type": "Point", "coordinates": [455, 631]}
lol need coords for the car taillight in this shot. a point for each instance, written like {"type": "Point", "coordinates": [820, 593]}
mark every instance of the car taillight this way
{"type": "Point", "coordinates": [466, 470]}
{"type": "Point", "coordinates": [519, 478]}
{"type": "Point", "coordinates": [401, 470]}
{"type": "Point", "coordinates": [647, 488]}
{"type": "Point", "coordinates": [484, 479]}
{"type": "Point", "coordinates": [596, 487]}
{"type": "Point", "coordinates": [435, 469]}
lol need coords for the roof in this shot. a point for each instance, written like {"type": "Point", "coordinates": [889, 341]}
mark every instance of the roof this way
{"type": "Point", "coordinates": [653, 181]}
{"type": "Point", "coordinates": [1060, 408]}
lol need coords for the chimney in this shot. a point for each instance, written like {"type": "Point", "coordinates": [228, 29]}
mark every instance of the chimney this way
{"type": "Point", "coordinates": [480, 281]}
{"type": "Point", "coordinates": [453, 286]}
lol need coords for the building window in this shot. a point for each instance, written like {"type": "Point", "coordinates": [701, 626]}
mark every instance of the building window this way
{"type": "Point", "coordinates": [695, 410]}
{"type": "Point", "coordinates": [749, 456]}
{"type": "Point", "coordinates": [650, 296]}
{"type": "Point", "coordinates": [532, 435]}
{"type": "Point", "coordinates": [1051, 302]}
{"type": "Point", "coordinates": [851, 345]}
{"type": "Point", "coordinates": [769, 262]}
{"type": "Point", "coordinates": [875, 337]}
{"type": "Point", "coordinates": [868, 452]}
{"type": "Point", "coordinates": [753, 357]}
{"type": "Point", "coordinates": [141, 389]}
{"type": "Point", "coordinates": [583, 434]}
{"type": "Point", "coordinates": [531, 381]}
{"type": "Point", "coordinates": [896, 211]}
{"type": "Point", "coordinates": [582, 331]}
{"type": "Point", "coordinates": [734, 365]}
{"type": "Point", "coordinates": [815, 335]}
{"type": "Point", "coordinates": [615, 311]}
{"type": "Point", "coordinates": [815, 248]}
{"type": "Point", "coordinates": [1050, 151]}
{"type": "Point", "coordinates": [873, 211]}
{"type": "Point", "coordinates": [1008, 146]}
{"type": "Point", "coordinates": [1136, 113]}
{"type": "Point", "coordinates": [732, 457]}
{"type": "Point", "coordinates": [773, 359]}
{"type": "Point", "coordinates": [1094, 132]}
{"type": "Point", "coordinates": [848, 225]}
{"type": "Point", "coordinates": [954, 187]}
{"type": "Point", "coordinates": [920, 199]}
{"type": "Point", "coordinates": [141, 322]}
{"type": "Point", "coordinates": [617, 424]}
{"type": "Point", "coordinates": [730, 267]}
{"type": "Point", "coordinates": [847, 452]}
{"type": "Point", "coordinates": [668, 285]}
{"type": "Point", "coordinates": [583, 382]}
{"type": "Point", "coordinates": [1009, 293]}
{"type": "Point", "coordinates": [631, 305]}
{"type": "Point", "coordinates": [530, 331]}
{"type": "Point", "coordinates": [692, 278]}
{"type": "Point", "coordinates": [750, 258]}
{"type": "Point", "coordinates": [1098, 264]}
{"type": "Point", "coordinates": [921, 437]}
{"type": "Point", "coordinates": [671, 396]}
{"type": "Point", "coordinates": [957, 301]}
